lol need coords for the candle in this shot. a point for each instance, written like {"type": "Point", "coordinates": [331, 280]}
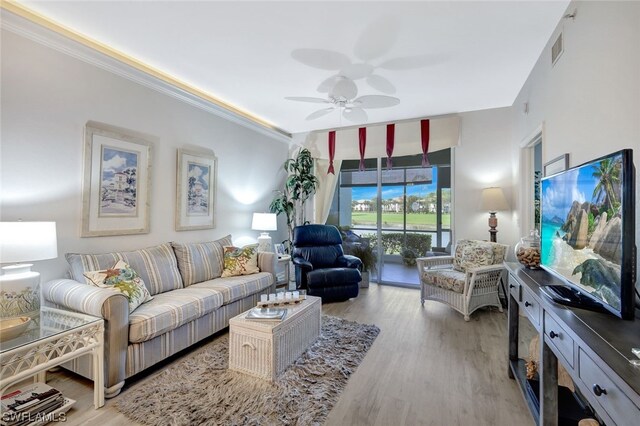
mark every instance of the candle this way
{"type": "Point", "coordinates": [296, 294]}
{"type": "Point", "coordinates": [272, 296]}
{"type": "Point", "coordinates": [287, 295]}
{"type": "Point", "coordinates": [281, 296]}
{"type": "Point", "coordinates": [264, 297]}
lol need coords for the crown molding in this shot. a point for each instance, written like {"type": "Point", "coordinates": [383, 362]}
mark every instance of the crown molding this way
{"type": "Point", "coordinates": [26, 23]}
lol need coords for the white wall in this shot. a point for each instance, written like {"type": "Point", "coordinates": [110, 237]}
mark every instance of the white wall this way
{"type": "Point", "coordinates": [589, 101]}
{"type": "Point", "coordinates": [483, 159]}
{"type": "Point", "coordinates": [47, 97]}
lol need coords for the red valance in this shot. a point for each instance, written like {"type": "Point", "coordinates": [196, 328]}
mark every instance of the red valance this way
{"type": "Point", "coordinates": [332, 150]}
{"type": "Point", "coordinates": [362, 133]}
{"type": "Point", "coordinates": [424, 134]}
{"type": "Point", "coordinates": [391, 136]}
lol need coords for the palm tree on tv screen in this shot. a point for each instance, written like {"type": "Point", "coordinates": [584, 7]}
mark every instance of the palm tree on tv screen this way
{"type": "Point", "coordinates": [608, 174]}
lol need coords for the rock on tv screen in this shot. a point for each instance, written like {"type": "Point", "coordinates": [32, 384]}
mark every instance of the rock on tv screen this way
{"type": "Point", "coordinates": [587, 222]}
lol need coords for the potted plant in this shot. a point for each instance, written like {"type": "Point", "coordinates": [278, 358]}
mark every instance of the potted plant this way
{"type": "Point", "coordinates": [409, 256]}
{"type": "Point", "coordinates": [369, 261]}
{"type": "Point", "coordinates": [299, 186]}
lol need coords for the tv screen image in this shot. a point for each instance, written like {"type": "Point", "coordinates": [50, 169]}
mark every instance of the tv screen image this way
{"type": "Point", "coordinates": [587, 229]}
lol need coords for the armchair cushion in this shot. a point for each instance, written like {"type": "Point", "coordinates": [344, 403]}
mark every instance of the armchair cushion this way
{"type": "Point", "coordinates": [321, 278]}
{"type": "Point", "coordinates": [349, 261]}
{"type": "Point", "coordinates": [471, 254]}
{"type": "Point", "coordinates": [449, 279]}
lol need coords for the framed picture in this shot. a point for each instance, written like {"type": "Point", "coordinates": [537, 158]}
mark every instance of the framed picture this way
{"type": "Point", "coordinates": [556, 165]}
{"type": "Point", "coordinates": [279, 248]}
{"type": "Point", "coordinates": [117, 178]}
{"type": "Point", "coordinates": [196, 183]}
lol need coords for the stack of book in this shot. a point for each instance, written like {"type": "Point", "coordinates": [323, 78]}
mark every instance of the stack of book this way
{"type": "Point", "coordinates": [33, 405]}
{"type": "Point", "coordinates": [266, 314]}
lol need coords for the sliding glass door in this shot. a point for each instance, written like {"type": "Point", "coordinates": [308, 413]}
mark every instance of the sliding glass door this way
{"type": "Point", "coordinates": [401, 213]}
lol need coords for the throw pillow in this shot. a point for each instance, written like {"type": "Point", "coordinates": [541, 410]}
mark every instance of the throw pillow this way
{"type": "Point", "coordinates": [240, 261]}
{"type": "Point", "coordinates": [200, 262]}
{"type": "Point", "coordinates": [122, 279]}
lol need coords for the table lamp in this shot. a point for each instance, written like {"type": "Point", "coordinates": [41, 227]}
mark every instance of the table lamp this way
{"type": "Point", "coordinates": [264, 222]}
{"type": "Point", "coordinates": [493, 200]}
{"type": "Point", "coordinates": [19, 285]}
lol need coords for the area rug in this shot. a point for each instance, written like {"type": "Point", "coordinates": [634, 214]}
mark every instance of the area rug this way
{"type": "Point", "coordinates": [199, 390]}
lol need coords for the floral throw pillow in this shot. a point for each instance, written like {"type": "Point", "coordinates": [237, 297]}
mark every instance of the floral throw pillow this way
{"type": "Point", "coordinates": [240, 261]}
{"type": "Point", "coordinates": [471, 254]}
{"type": "Point", "coordinates": [122, 279]}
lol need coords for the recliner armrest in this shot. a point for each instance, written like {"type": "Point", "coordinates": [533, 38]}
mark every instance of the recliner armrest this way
{"type": "Point", "coordinates": [303, 263]}
{"type": "Point", "coordinates": [348, 261]}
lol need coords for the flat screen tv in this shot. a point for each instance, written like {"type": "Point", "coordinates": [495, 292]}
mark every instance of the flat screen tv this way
{"type": "Point", "coordinates": [588, 234]}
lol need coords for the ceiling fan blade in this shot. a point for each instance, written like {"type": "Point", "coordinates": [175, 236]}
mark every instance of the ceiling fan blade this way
{"type": "Point", "coordinates": [356, 71]}
{"type": "Point", "coordinates": [377, 39]}
{"type": "Point", "coordinates": [355, 114]}
{"type": "Point", "coordinates": [307, 99]}
{"type": "Point", "coordinates": [319, 113]}
{"type": "Point", "coordinates": [345, 88]}
{"type": "Point", "coordinates": [327, 85]}
{"type": "Point", "coordinates": [381, 84]}
{"type": "Point", "coordinates": [412, 62]}
{"type": "Point", "coordinates": [321, 58]}
{"type": "Point", "coordinates": [376, 101]}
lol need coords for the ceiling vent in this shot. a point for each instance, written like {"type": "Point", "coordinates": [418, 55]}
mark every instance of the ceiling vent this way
{"type": "Point", "coordinates": [557, 49]}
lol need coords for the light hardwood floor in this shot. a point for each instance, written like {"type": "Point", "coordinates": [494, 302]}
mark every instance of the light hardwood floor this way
{"type": "Point", "coordinates": [427, 367]}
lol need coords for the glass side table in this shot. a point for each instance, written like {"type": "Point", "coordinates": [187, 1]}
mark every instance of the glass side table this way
{"type": "Point", "coordinates": [54, 337]}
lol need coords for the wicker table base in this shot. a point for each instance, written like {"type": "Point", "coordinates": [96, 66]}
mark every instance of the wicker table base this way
{"type": "Point", "coordinates": [265, 349]}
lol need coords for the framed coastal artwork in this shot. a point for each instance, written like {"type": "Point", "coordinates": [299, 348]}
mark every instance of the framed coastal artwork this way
{"type": "Point", "coordinates": [117, 178]}
{"type": "Point", "coordinates": [195, 192]}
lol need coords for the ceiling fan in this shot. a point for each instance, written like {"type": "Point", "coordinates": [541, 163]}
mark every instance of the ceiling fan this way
{"type": "Point", "coordinates": [342, 96]}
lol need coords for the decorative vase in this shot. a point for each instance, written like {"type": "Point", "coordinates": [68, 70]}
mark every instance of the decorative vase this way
{"type": "Point", "coordinates": [365, 279]}
{"type": "Point", "coordinates": [528, 250]}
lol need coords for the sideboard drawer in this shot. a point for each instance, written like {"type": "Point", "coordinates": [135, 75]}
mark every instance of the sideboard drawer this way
{"type": "Point", "coordinates": [559, 338]}
{"type": "Point", "coordinates": [531, 307]}
{"type": "Point", "coordinates": [514, 288]}
{"type": "Point", "coordinates": [602, 389]}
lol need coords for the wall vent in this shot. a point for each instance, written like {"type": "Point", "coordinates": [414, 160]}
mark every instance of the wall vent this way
{"type": "Point", "coordinates": [557, 49]}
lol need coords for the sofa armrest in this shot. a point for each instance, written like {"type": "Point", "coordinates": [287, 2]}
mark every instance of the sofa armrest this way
{"type": "Point", "coordinates": [111, 306]}
{"type": "Point", "coordinates": [267, 262]}
{"type": "Point", "coordinates": [349, 261]}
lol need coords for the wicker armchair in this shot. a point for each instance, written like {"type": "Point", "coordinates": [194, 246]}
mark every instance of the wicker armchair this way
{"type": "Point", "coordinates": [466, 281]}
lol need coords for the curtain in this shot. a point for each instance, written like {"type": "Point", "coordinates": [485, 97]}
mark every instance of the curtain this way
{"type": "Point", "coordinates": [324, 195]}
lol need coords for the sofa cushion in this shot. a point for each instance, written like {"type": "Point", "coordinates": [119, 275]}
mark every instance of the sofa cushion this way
{"type": "Point", "coordinates": [449, 279]}
{"type": "Point", "coordinates": [170, 310]}
{"type": "Point", "coordinates": [156, 266]}
{"type": "Point", "coordinates": [200, 262]}
{"type": "Point", "coordinates": [121, 278]}
{"type": "Point", "coordinates": [240, 261]}
{"type": "Point", "coordinates": [235, 288]}
{"type": "Point", "coordinates": [471, 254]}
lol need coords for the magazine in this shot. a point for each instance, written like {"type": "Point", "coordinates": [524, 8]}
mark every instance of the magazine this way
{"type": "Point", "coordinates": [266, 314]}
{"type": "Point", "coordinates": [24, 405]}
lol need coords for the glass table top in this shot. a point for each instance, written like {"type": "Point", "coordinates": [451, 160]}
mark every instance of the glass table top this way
{"type": "Point", "coordinates": [47, 323]}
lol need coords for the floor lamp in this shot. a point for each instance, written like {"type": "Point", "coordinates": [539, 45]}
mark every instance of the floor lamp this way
{"type": "Point", "coordinates": [493, 200]}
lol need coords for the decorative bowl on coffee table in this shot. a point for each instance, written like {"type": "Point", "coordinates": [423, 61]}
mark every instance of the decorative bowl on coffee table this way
{"type": "Point", "coordinates": [10, 328]}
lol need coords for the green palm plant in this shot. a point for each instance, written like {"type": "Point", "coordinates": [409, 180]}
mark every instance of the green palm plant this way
{"type": "Point", "coordinates": [608, 175]}
{"type": "Point", "coordinates": [299, 186]}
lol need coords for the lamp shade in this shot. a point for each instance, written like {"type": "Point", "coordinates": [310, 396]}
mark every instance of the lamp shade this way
{"type": "Point", "coordinates": [27, 241]}
{"type": "Point", "coordinates": [493, 200]}
{"type": "Point", "coordinates": [264, 222]}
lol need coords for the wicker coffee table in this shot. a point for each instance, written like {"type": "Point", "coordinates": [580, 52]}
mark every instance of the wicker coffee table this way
{"type": "Point", "coordinates": [265, 349]}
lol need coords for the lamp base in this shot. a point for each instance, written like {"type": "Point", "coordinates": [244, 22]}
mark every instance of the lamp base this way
{"type": "Point", "coordinates": [264, 242]}
{"type": "Point", "coordinates": [493, 224]}
{"type": "Point", "coordinates": [19, 291]}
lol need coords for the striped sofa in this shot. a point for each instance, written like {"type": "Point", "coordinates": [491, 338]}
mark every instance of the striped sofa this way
{"type": "Point", "coordinates": [190, 302]}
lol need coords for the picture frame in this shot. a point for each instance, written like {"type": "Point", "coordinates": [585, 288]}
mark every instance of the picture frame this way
{"type": "Point", "coordinates": [556, 165]}
{"type": "Point", "coordinates": [116, 181]}
{"type": "Point", "coordinates": [279, 248]}
{"type": "Point", "coordinates": [195, 190]}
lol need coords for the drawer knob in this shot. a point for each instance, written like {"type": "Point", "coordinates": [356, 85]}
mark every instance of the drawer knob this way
{"type": "Point", "coordinates": [553, 335]}
{"type": "Point", "coordinates": [527, 304]}
{"type": "Point", "coordinates": [512, 286]}
{"type": "Point", "coordinates": [598, 390]}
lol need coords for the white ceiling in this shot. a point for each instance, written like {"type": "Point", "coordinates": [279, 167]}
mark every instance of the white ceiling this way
{"type": "Point", "coordinates": [465, 55]}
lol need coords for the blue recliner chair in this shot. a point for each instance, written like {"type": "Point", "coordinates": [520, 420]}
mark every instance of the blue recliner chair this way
{"type": "Point", "coordinates": [322, 268]}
